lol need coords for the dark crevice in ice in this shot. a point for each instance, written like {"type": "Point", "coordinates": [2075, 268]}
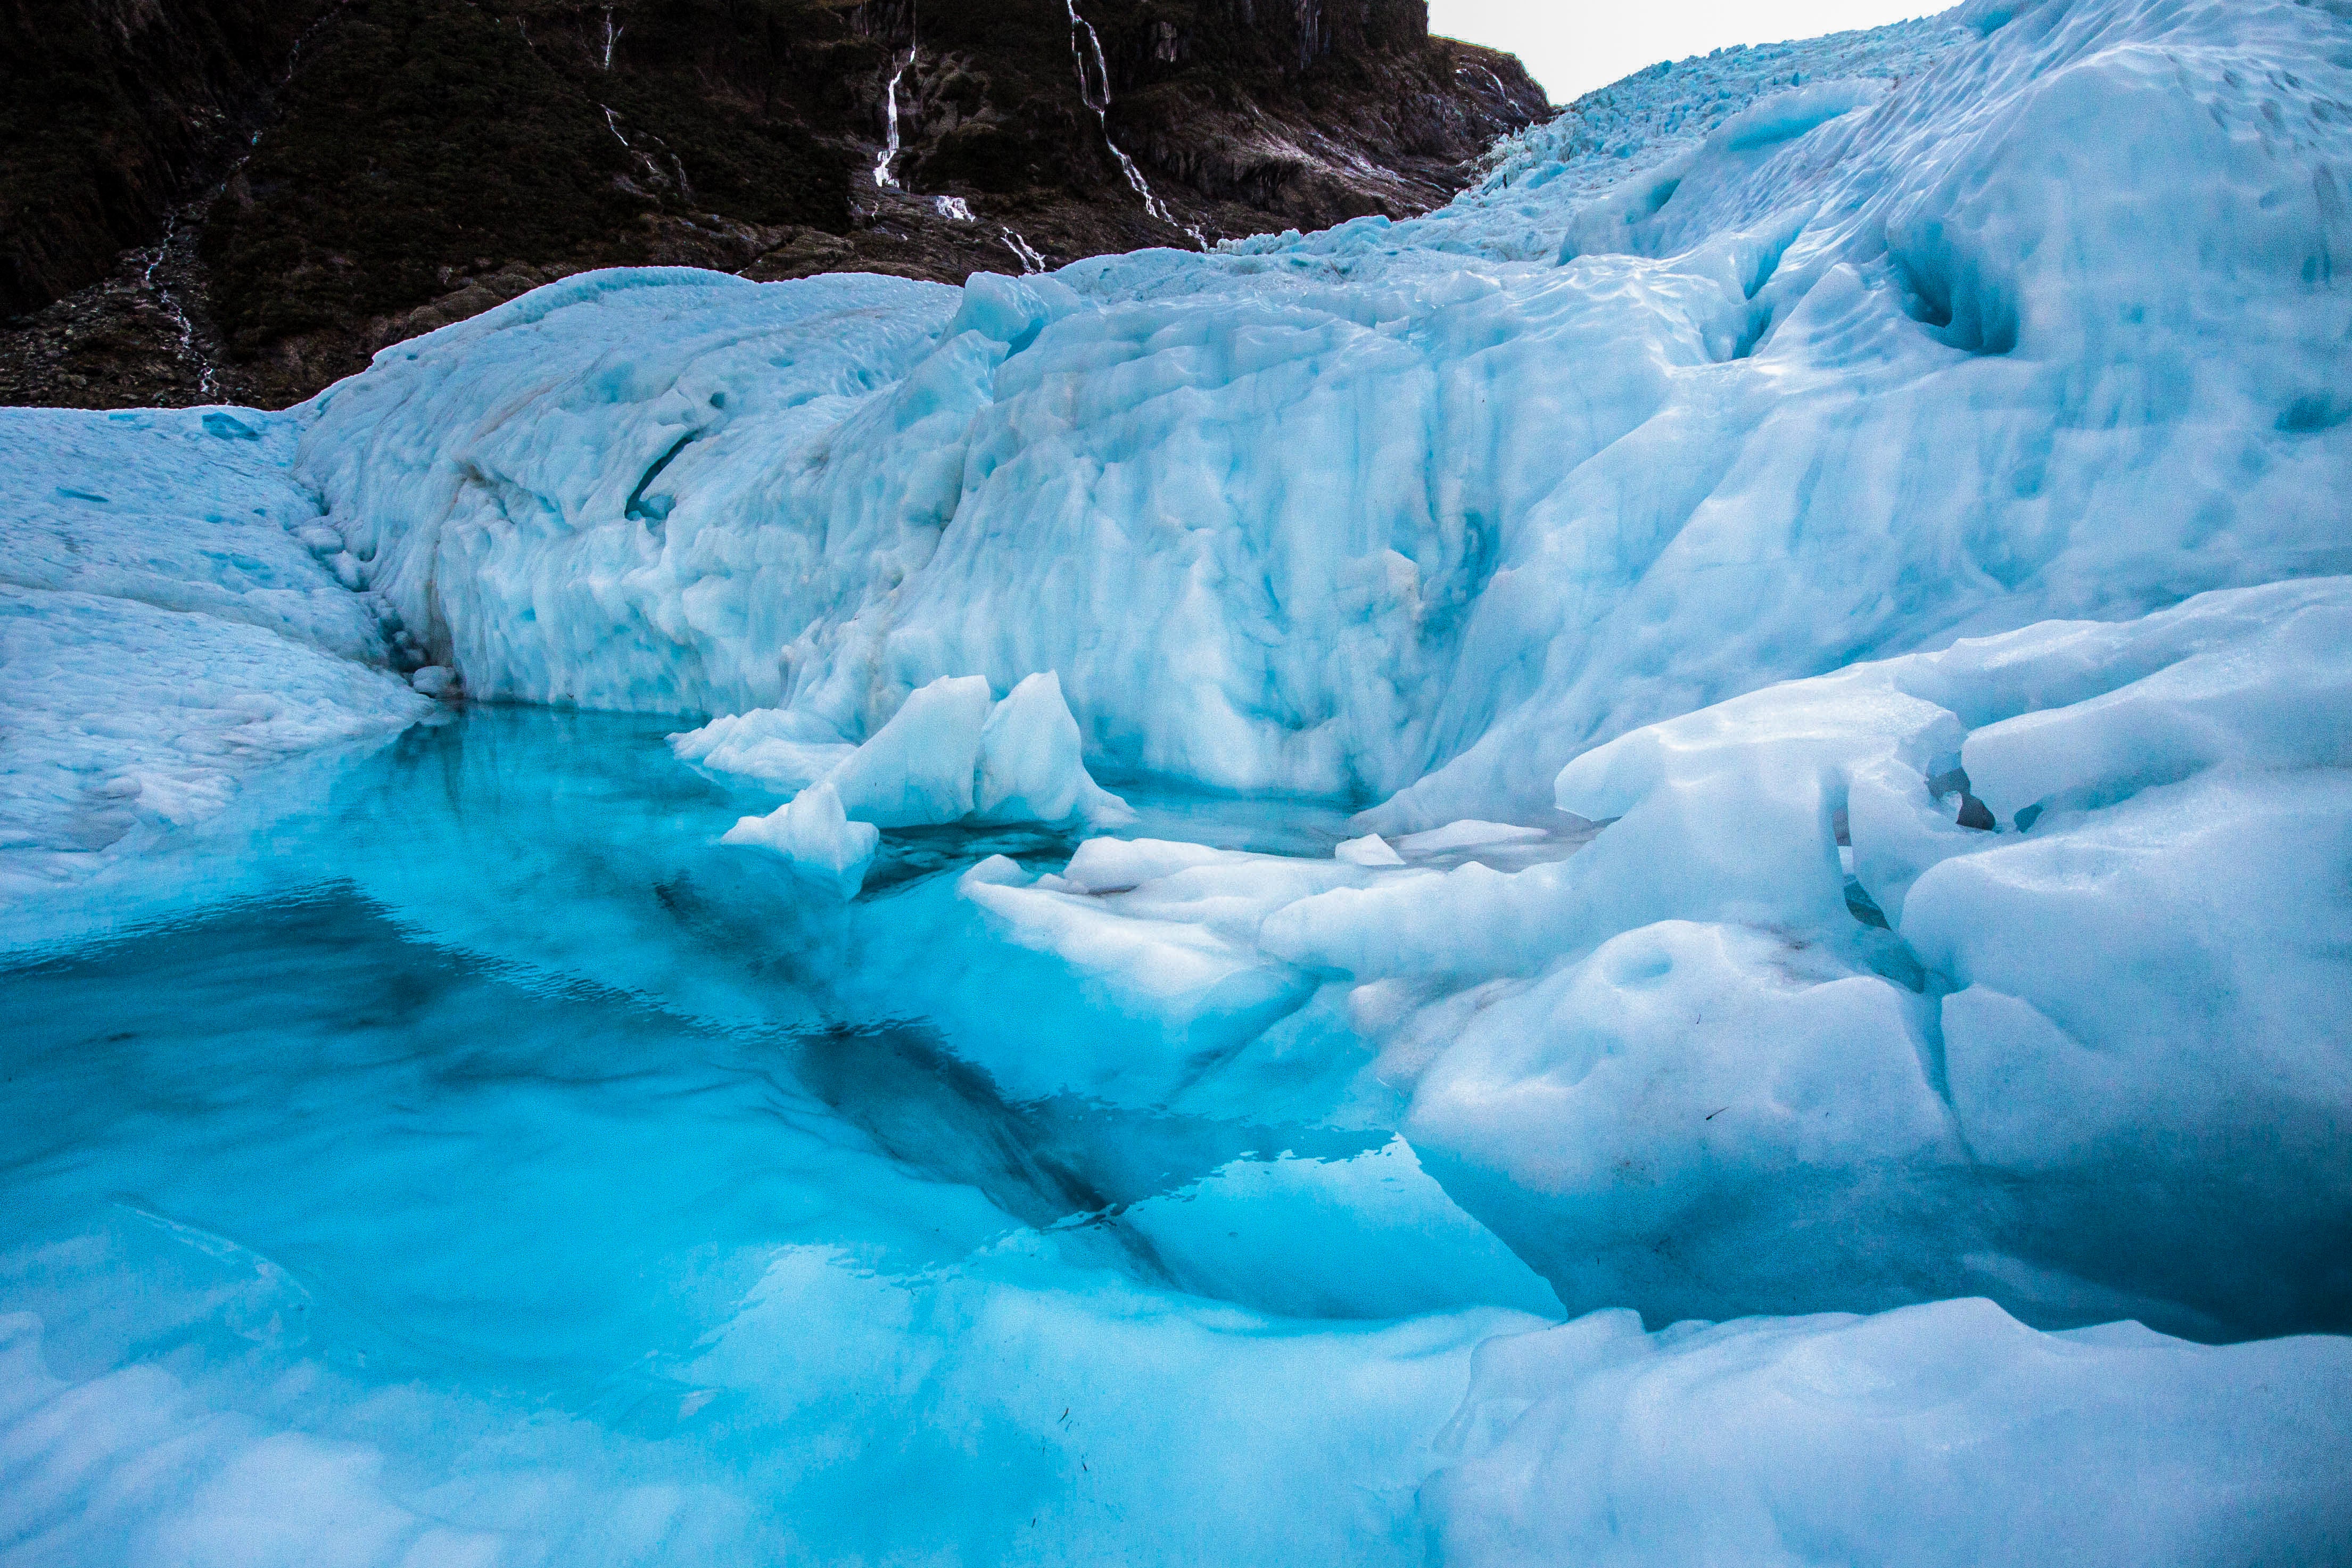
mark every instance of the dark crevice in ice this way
{"type": "Point", "coordinates": [653, 511]}
{"type": "Point", "coordinates": [1973, 812]}
{"type": "Point", "coordinates": [1943, 293]}
{"type": "Point", "coordinates": [1862, 906]}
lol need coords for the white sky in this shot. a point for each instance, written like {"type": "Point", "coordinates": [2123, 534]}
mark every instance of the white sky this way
{"type": "Point", "coordinates": [1575, 46]}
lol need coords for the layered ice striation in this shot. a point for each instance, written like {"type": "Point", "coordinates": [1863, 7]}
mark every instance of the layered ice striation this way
{"type": "Point", "coordinates": [1746, 726]}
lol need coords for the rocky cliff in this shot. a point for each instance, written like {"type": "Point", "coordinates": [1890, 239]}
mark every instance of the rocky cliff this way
{"type": "Point", "coordinates": [207, 199]}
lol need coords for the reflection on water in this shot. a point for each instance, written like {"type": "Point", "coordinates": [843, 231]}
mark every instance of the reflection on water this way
{"type": "Point", "coordinates": [499, 1081]}
{"type": "Point", "coordinates": [1045, 1161]}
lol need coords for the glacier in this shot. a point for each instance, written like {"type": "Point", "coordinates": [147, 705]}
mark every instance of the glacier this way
{"type": "Point", "coordinates": [1657, 868]}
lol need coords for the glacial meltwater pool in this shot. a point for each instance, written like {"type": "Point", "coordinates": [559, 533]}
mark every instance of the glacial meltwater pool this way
{"type": "Point", "coordinates": [484, 1164]}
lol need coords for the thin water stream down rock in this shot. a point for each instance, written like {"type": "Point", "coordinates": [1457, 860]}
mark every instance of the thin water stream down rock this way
{"type": "Point", "coordinates": [799, 138]}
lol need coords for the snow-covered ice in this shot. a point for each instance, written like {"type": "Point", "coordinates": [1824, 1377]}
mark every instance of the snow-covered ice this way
{"type": "Point", "coordinates": [1731, 865]}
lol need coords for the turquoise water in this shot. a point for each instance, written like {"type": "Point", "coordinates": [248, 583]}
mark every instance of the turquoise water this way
{"type": "Point", "coordinates": [525, 1173]}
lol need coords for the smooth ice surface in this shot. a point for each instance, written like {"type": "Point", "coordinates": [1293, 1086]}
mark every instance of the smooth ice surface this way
{"type": "Point", "coordinates": [1750, 723]}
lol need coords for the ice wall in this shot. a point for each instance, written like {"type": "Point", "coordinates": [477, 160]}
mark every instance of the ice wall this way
{"type": "Point", "coordinates": [1850, 347]}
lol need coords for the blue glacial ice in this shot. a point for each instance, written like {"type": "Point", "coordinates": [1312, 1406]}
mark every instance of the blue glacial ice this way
{"type": "Point", "coordinates": [173, 615]}
{"type": "Point", "coordinates": [1656, 869]}
{"type": "Point", "coordinates": [952, 752]}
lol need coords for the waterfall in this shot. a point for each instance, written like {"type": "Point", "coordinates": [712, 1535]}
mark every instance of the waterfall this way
{"type": "Point", "coordinates": [955, 209]}
{"type": "Point", "coordinates": [883, 177]}
{"type": "Point", "coordinates": [612, 36]}
{"type": "Point", "coordinates": [185, 350]}
{"type": "Point", "coordinates": [1031, 262]}
{"type": "Point", "coordinates": [1099, 102]}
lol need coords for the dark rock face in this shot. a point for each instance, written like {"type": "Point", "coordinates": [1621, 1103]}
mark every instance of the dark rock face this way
{"type": "Point", "coordinates": [232, 199]}
{"type": "Point", "coordinates": [108, 110]}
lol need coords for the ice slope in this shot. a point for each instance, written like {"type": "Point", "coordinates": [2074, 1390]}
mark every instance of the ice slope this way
{"type": "Point", "coordinates": [1851, 347]}
{"type": "Point", "coordinates": [172, 616]}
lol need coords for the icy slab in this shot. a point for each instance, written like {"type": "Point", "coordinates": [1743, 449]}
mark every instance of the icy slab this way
{"type": "Point", "coordinates": [1367, 1237]}
{"type": "Point", "coordinates": [1718, 1084]}
{"type": "Point", "coordinates": [951, 753]}
{"type": "Point", "coordinates": [784, 750]}
{"type": "Point", "coordinates": [1838, 1440]}
{"type": "Point", "coordinates": [920, 767]}
{"type": "Point", "coordinates": [173, 619]}
{"type": "Point", "coordinates": [1466, 833]}
{"type": "Point", "coordinates": [1188, 977]}
{"type": "Point", "coordinates": [1119, 865]}
{"type": "Point", "coordinates": [954, 752]}
{"type": "Point", "coordinates": [811, 832]}
{"type": "Point", "coordinates": [1371, 849]}
{"type": "Point", "coordinates": [1028, 765]}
